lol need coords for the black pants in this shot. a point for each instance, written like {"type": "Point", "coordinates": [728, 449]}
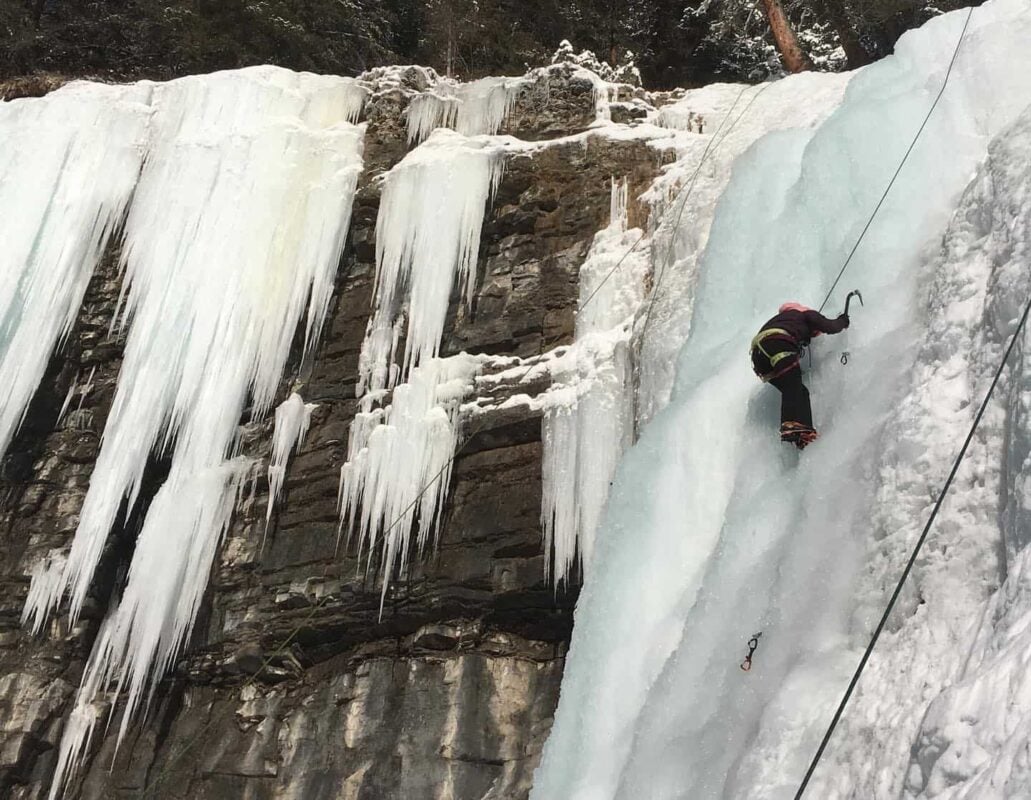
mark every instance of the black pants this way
{"type": "Point", "coordinates": [794, 400]}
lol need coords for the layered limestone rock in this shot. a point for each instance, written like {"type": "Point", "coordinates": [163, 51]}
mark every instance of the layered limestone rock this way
{"type": "Point", "coordinates": [294, 685]}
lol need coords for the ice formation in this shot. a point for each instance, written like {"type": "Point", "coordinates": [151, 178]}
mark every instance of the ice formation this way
{"type": "Point", "coordinates": [588, 411]}
{"type": "Point", "coordinates": [427, 239]}
{"type": "Point", "coordinates": [235, 229]}
{"type": "Point", "coordinates": [712, 535]}
{"type": "Point", "coordinates": [399, 460]}
{"type": "Point", "coordinates": [67, 171]}
{"type": "Point", "coordinates": [474, 108]}
{"type": "Point", "coordinates": [293, 416]}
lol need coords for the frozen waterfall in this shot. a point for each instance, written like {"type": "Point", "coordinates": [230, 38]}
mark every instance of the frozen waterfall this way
{"type": "Point", "coordinates": [713, 534]}
{"type": "Point", "coordinates": [588, 417]}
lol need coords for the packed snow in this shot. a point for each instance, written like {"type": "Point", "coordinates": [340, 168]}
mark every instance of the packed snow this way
{"type": "Point", "coordinates": [713, 534]}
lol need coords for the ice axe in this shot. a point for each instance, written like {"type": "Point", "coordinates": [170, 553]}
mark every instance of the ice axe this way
{"type": "Point", "coordinates": [848, 300]}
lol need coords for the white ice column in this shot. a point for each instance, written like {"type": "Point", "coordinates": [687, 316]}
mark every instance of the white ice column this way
{"type": "Point", "coordinates": [427, 240]}
{"type": "Point", "coordinates": [293, 416]}
{"type": "Point", "coordinates": [236, 229]}
{"type": "Point", "coordinates": [68, 164]}
{"type": "Point", "coordinates": [588, 416]}
{"type": "Point", "coordinates": [478, 107]}
{"type": "Point", "coordinates": [400, 459]}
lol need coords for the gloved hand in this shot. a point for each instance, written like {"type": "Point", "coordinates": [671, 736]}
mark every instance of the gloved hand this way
{"type": "Point", "coordinates": [844, 319]}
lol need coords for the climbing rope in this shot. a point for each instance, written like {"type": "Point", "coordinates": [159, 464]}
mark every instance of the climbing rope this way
{"type": "Point", "coordinates": [902, 163]}
{"type": "Point", "coordinates": [913, 555]}
{"type": "Point", "coordinates": [959, 458]}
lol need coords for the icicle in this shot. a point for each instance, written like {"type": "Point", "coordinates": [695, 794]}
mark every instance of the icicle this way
{"type": "Point", "coordinates": [86, 388]}
{"type": "Point", "coordinates": [588, 412]}
{"type": "Point", "coordinates": [67, 169]}
{"type": "Point", "coordinates": [139, 641]}
{"type": "Point", "coordinates": [399, 461]}
{"type": "Point", "coordinates": [431, 110]}
{"type": "Point", "coordinates": [427, 238]}
{"type": "Point", "coordinates": [292, 420]}
{"type": "Point", "coordinates": [475, 108]}
{"type": "Point", "coordinates": [236, 227]}
{"type": "Point", "coordinates": [45, 590]}
{"type": "Point", "coordinates": [67, 402]}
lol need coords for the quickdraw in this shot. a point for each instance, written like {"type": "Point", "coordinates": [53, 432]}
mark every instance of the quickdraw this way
{"type": "Point", "coordinates": [844, 357]}
{"type": "Point", "coordinates": [753, 645]}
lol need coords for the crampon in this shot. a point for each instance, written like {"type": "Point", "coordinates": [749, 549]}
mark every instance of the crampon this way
{"type": "Point", "coordinates": [797, 434]}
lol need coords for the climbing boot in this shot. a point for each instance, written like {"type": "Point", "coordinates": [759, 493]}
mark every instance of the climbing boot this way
{"type": "Point", "coordinates": [797, 434]}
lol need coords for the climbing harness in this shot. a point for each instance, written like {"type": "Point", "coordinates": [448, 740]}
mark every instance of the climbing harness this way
{"type": "Point", "coordinates": [753, 645]}
{"type": "Point", "coordinates": [776, 358]}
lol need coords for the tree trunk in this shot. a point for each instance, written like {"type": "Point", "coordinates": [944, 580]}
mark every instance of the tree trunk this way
{"type": "Point", "coordinates": [791, 53]}
{"type": "Point", "coordinates": [840, 18]}
{"type": "Point", "coordinates": [37, 12]}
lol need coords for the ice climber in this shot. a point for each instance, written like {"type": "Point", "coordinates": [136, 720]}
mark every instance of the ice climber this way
{"type": "Point", "coordinates": [776, 359]}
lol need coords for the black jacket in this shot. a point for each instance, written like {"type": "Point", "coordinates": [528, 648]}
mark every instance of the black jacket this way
{"type": "Point", "coordinates": [804, 325]}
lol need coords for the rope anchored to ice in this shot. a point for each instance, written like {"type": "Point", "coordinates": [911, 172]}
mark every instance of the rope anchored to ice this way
{"type": "Point", "coordinates": [753, 645]}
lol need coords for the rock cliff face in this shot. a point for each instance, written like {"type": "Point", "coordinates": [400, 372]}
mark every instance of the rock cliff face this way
{"type": "Point", "coordinates": [294, 685]}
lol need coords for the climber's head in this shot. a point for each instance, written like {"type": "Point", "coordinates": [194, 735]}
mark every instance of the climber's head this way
{"type": "Point", "coordinates": [793, 307]}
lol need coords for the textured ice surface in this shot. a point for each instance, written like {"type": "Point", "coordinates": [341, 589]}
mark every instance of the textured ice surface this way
{"type": "Point", "coordinates": [588, 411]}
{"type": "Point", "coordinates": [684, 199]}
{"type": "Point", "coordinates": [235, 228]}
{"type": "Point", "coordinates": [399, 461]}
{"type": "Point", "coordinates": [427, 240]}
{"type": "Point", "coordinates": [68, 165]}
{"type": "Point", "coordinates": [293, 416]}
{"type": "Point", "coordinates": [713, 534]}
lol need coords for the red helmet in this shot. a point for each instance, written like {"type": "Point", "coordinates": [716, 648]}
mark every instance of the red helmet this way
{"type": "Point", "coordinates": [793, 307]}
